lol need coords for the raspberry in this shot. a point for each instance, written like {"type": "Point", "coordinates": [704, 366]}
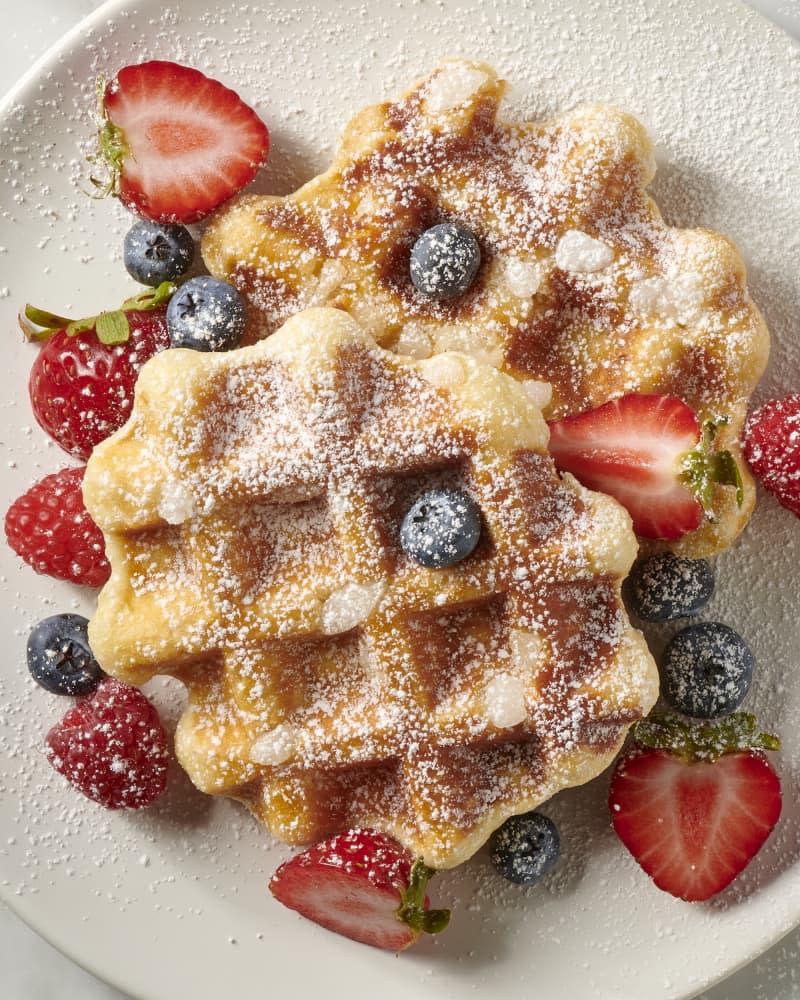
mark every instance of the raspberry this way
{"type": "Point", "coordinates": [50, 528]}
{"type": "Point", "coordinates": [112, 747]}
{"type": "Point", "coordinates": [772, 447]}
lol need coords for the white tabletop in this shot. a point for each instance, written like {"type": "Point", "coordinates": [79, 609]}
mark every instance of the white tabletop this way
{"type": "Point", "coordinates": [29, 968]}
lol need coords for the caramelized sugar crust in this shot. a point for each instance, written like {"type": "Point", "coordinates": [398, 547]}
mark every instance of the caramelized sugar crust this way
{"type": "Point", "coordinates": [251, 508]}
{"type": "Point", "coordinates": [582, 284]}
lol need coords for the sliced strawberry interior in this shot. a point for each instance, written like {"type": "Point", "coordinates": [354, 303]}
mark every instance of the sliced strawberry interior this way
{"type": "Point", "coordinates": [630, 448]}
{"type": "Point", "coordinates": [694, 827]}
{"type": "Point", "coordinates": [192, 142]}
{"type": "Point", "coordinates": [346, 903]}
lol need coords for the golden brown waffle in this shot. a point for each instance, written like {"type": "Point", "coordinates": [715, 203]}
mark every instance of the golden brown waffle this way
{"type": "Point", "coordinates": [582, 284]}
{"type": "Point", "coordinates": [251, 508]}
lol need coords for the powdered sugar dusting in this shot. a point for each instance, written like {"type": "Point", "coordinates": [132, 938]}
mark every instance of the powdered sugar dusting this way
{"type": "Point", "coordinates": [297, 609]}
{"type": "Point", "coordinates": [582, 253]}
{"type": "Point", "coordinates": [725, 133]}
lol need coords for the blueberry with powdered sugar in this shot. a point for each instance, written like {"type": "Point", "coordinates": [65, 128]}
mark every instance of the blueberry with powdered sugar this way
{"type": "Point", "coordinates": [665, 586]}
{"type": "Point", "coordinates": [444, 261]}
{"type": "Point", "coordinates": [153, 253]}
{"type": "Point", "coordinates": [59, 657]}
{"type": "Point", "coordinates": [206, 314]}
{"type": "Point", "coordinates": [706, 670]}
{"type": "Point", "coordinates": [442, 527]}
{"type": "Point", "coordinates": [525, 848]}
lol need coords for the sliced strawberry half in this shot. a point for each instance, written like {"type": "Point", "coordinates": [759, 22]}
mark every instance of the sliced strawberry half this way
{"type": "Point", "coordinates": [361, 884]}
{"type": "Point", "coordinates": [694, 804]}
{"type": "Point", "coordinates": [177, 143]}
{"type": "Point", "coordinates": [650, 453]}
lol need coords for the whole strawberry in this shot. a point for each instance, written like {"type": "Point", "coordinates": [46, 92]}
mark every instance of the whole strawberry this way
{"type": "Point", "coordinates": [177, 144]}
{"type": "Point", "coordinates": [772, 448]}
{"type": "Point", "coordinates": [112, 747]}
{"type": "Point", "coordinates": [694, 804]}
{"type": "Point", "coordinates": [50, 528]}
{"type": "Point", "coordinates": [361, 884]}
{"type": "Point", "coordinates": [81, 383]}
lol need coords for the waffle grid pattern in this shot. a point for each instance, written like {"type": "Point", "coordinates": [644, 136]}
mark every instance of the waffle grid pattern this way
{"type": "Point", "coordinates": [332, 681]}
{"type": "Point", "coordinates": [582, 283]}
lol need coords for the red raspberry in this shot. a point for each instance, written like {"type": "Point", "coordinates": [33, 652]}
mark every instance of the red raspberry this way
{"type": "Point", "coordinates": [772, 447]}
{"type": "Point", "coordinates": [50, 528]}
{"type": "Point", "coordinates": [112, 747]}
{"type": "Point", "coordinates": [82, 390]}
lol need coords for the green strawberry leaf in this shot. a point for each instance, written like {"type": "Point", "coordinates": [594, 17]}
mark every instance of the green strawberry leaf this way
{"type": "Point", "coordinates": [112, 327]}
{"type": "Point", "coordinates": [702, 468]}
{"type": "Point", "coordinates": [703, 741]}
{"type": "Point", "coordinates": [112, 147]}
{"type": "Point", "coordinates": [46, 319]}
{"type": "Point", "coordinates": [77, 326]}
{"type": "Point", "coordinates": [150, 299]}
{"type": "Point", "coordinates": [412, 911]}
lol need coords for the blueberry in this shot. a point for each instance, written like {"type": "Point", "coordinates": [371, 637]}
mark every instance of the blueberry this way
{"type": "Point", "coordinates": [153, 253]}
{"type": "Point", "coordinates": [444, 261]}
{"type": "Point", "coordinates": [525, 848]}
{"type": "Point", "coordinates": [59, 657]}
{"type": "Point", "coordinates": [706, 670]}
{"type": "Point", "coordinates": [441, 528]}
{"type": "Point", "coordinates": [206, 314]}
{"type": "Point", "coordinates": [665, 586]}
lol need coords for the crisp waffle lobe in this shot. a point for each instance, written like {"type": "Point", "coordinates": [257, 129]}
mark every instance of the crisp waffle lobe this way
{"type": "Point", "coordinates": [252, 507]}
{"type": "Point", "coordinates": [582, 284]}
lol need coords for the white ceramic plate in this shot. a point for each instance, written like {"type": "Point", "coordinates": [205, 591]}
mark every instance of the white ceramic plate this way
{"type": "Point", "coordinates": [173, 901]}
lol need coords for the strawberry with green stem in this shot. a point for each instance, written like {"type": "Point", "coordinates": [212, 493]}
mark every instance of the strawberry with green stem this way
{"type": "Point", "coordinates": [695, 803]}
{"type": "Point", "coordinates": [82, 381]}
{"type": "Point", "coordinates": [176, 144]}
{"type": "Point", "coordinates": [650, 453]}
{"type": "Point", "coordinates": [361, 884]}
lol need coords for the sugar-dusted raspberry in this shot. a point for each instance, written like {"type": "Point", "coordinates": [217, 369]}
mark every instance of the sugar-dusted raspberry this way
{"type": "Point", "coordinates": [50, 528]}
{"type": "Point", "coordinates": [772, 447]}
{"type": "Point", "coordinates": [112, 747]}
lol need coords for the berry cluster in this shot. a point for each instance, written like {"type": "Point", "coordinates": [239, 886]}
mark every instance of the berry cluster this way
{"type": "Point", "coordinates": [111, 745]}
{"type": "Point", "coordinates": [692, 803]}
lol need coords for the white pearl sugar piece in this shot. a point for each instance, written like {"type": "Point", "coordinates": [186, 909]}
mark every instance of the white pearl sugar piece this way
{"type": "Point", "coordinates": [504, 698]}
{"type": "Point", "coordinates": [522, 277]}
{"type": "Point", "coordinates": [578, 251]}
{"type": "Point", "coordinates": [444, 370]}
{"type": "Point", "coordinates": [452, 87]}
{"type": "Point", "coordinates": [350, 605]}
{"type": "Point", "coordinates": [539, 393]}
{"type": "Point", "coordinates": [176, 505]}
{"type": "Point", "coordinates": [275, 746]}
{"type": "Point", "coordinates": [679, 299]}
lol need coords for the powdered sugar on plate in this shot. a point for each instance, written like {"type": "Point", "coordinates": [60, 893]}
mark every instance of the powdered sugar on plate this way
{"type": "Point", "coordinates": [711, 83]}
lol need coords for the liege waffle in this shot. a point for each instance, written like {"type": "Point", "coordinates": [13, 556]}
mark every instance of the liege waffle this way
{"type": "Point", "coordinates": [582, 284]}
{"type": "Point", "coordinates": [251, 508]}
